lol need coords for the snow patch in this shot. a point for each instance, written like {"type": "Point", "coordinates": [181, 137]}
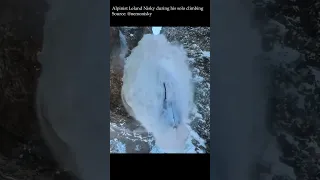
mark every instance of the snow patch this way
{"type": "Point", "coordinates": [206, 54]}
{"type": "Point", "coordinates": [117, 147]}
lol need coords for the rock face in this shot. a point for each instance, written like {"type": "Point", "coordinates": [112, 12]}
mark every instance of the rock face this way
{"type": "Point", "coordinates": [115, 72]}
{"type": "Point", "coordinates": [128, 136]}
{"type": "Point", "coordinates": [291, 37]}
{"type": "Point", "coordinates": [132, 36]}
{"type": "Point", "coordinates": [20, 41]}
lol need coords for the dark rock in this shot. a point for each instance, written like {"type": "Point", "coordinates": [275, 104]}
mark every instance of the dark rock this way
{"type": "Point", "coordinates": [296, 81]}
{"type": "Point", "coordinates": [133, 36]}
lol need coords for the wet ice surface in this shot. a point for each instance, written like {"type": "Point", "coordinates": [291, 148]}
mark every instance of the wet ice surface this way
{"type": "Point", "coordinates": [127, 135]}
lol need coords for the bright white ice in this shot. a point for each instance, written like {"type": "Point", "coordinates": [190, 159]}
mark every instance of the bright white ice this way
{"type": "Point", "coordinates": [156, 30]}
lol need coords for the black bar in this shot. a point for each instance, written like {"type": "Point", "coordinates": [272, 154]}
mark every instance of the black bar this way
{"type": "Point", "coordinates": [160, 166]}
{"type": "Point", "coordinates": [161, 17]}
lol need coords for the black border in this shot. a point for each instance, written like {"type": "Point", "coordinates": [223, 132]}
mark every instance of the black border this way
{"type": "Point", "coordinates": [163, 18]}
{"type": "Point", "coordinates": [167, 166]}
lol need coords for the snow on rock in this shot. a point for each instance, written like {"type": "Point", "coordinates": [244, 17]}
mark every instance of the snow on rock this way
{"type": "Point", "coordinates": [196, 40]}
{"type": "Point", "coordinates": [296, 120]}
{"type": "Point", "coordinates": [292, 38]}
